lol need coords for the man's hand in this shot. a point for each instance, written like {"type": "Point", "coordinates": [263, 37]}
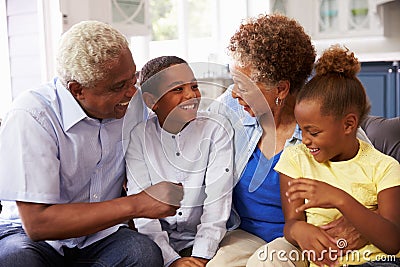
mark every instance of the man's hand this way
{"type": "Point", "coordinates": [343, 229]}
{"type": "Point", "coordinates": [189, 262]}
{"type": "Point", "coordinates": [161, 200]}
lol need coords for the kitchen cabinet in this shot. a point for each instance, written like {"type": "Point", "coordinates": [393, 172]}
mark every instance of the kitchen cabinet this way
{"type": "Point", "coordinates": [335, 18]}
{"type": "Point", "coordinates": [369, 28]}
{"type": "Point", "coordinates": [382, 84]}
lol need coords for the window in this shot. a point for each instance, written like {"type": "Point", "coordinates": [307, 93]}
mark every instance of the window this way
{"type": "Point", "coordinates": [197, 31]}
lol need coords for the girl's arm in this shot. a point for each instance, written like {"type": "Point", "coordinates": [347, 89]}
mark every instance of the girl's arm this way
{"type": "Point", "coordinates": [300, 233]}
{"type": "Point", "coordinates": [381, 229]}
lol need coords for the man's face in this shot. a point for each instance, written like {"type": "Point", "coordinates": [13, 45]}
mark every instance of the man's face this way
{"type": "Point", "coordinates": [111, 96]}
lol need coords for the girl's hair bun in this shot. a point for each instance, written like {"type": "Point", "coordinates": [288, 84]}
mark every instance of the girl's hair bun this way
{"type": "Point", "coordinates": [337, 60]}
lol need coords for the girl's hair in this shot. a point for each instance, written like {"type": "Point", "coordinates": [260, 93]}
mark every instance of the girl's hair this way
{"type": "Point", "coordinates": [276, 48]}
{"type": "Point", "coordinates": [87, 51]}
{"type": "Point", "coordinates": [148, 79]}
{"type": "Point", "coordinates": [336, 85]}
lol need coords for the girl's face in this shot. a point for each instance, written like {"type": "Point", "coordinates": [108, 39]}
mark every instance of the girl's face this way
{"type": "Point", "coordinates": [255, 98]}
{"type": "Point", "coordinates": [179, 97]}
{"type": "Point", "coordinates": [324, 136]}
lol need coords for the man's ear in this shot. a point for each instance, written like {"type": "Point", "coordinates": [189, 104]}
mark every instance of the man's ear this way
{"type": "Point", "coordinates": [350, 123]}
{"type": "Point", "coordinates": [76, 90]}
{"type": "Point", "coordinates": [150, 100]}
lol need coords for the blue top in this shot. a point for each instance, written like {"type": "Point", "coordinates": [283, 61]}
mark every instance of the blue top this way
{"type": "Point", "coordinates": [260, 211]}
{"type": "Point", "coordinates": [254, 188]}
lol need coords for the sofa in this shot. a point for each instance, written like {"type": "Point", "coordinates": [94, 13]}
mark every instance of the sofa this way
{"type": "Point", "coordinates": [384, 134]}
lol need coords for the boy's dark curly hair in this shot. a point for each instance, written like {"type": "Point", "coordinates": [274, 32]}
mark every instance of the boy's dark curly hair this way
{"type": "Point", "coordinates": [276, 48]}
{"type": "Point", "coordinates": [147, 76]}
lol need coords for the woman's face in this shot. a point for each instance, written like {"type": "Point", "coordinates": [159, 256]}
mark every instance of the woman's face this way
{"type": "Point", "coordinates": [256, 98]}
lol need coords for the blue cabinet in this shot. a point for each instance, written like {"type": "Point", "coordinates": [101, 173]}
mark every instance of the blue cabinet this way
{"type": "Point", "coordinates": [381, 81]}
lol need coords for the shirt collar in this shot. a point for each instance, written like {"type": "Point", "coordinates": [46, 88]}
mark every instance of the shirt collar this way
{"type": "Point", "coordinates": [70, 110]}
{"type": "Point", "coordinates": [296, 137]}
{"type": "Point", "coordinates": [249, 120]}
{"type": "Point", "coordinates": [297, 133]}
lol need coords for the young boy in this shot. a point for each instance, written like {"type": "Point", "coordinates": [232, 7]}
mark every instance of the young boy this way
{"type": "Point", "coordinates": [179, 144]}
{"type": "Point", "coordinates": [334, 174]}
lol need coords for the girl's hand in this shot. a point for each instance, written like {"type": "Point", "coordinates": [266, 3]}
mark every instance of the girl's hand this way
{"type": "Point", "coordinates": [319, 194]}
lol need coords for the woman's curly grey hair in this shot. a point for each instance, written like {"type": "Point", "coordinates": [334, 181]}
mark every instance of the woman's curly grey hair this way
{"type": "Point", "coordinates": [87, 51]}
{"type": "Point", "coordinates": [276, 48]}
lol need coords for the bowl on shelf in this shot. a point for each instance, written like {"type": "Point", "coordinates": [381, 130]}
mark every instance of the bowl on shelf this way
{"type": "Point", "coordinates": [359, 11]}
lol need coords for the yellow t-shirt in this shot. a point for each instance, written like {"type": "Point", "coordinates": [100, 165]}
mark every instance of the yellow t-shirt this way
{"type": "Point", "coordinates": [363, 177]}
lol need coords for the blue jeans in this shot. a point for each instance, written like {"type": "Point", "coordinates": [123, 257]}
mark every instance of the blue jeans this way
{"type": "Point", "coordinates": [123, 248]}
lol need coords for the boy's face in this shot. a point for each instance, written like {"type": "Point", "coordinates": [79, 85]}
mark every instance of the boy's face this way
{"type": "Point", "coordinates": [324, 136]}
{"type": "Point", "coordinates": [179, 97]}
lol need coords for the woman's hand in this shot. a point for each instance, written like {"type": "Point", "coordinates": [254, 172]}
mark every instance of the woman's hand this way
{"type": "Point", "coordinates": [316, 244]}
{"type": "Point", "coordinates": [343, 229]}
{"type": "Point", "coordinates": [189, 262]}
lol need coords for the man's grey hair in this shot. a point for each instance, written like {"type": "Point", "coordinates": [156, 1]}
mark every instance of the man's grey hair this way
{"type": "Point", "coordinates": [87, 51]}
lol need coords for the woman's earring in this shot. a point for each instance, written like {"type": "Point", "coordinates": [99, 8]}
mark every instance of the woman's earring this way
{"type": "Point", "coordinates": [278, 101]}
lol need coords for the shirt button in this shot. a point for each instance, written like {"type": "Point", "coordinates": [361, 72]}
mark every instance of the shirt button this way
{"type": "Point", "coordinates": [227, 170]}
{"type": "Point", "coordinates": [95, 196]}
{"type": "Point", "coordinates": [178, 154]}
{"type": "Point", "coordinates": [173, 137]}
{"type": "Point", "coordinates": [180, 213]}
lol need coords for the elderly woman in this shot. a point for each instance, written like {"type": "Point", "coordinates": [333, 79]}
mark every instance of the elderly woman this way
{"type": "Point", "coordinates": [272, 59]}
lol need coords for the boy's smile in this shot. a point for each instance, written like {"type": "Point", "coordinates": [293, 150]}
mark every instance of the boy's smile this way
{"type": "Point", "coordinates": [179, 97]}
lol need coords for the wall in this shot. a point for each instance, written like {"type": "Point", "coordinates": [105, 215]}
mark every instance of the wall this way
{"type": "Point", "coordinates": [29, 33]}
{"type": "Point", "coordinates": [24, 44]}
{"type": "Point", "coordinates": [5, 89]}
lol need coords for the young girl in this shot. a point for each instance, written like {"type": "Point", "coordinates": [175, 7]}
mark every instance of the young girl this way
{"type": "Point", "coordinates": [334, 174]}
{"type": "Point", "coordinates": [179, 144]}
